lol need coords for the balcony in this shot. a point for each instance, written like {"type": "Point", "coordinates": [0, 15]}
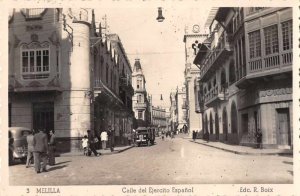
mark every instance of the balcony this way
{"type": "Point", "coordinates": [33, 13]}
{"type": "Point", "coordinates": [140, 90]}
{"type": "Point", "coordinates": [267, 66]}
{"type": "Point", "coordinates": [140, 105]}
{"type": "Point", "coordinates": [217, 56]}
{"type": "Point", "coordinates": [215, 95]}
{"type": "Point", "coordinates": [125, 85]}
{"type": "Point", "coordinates": [34, 85]}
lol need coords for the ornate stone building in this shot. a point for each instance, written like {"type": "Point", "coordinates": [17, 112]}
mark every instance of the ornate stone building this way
{"type": "Point", "coordinates": [60, 70]}
{"type": "Point", "coordinates": [246, 76]}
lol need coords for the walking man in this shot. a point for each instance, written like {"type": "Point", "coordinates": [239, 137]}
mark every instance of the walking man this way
{"type": "Point", "coordinates": [40, 146]}
{"type": "Point", "coordinates": [52, 148]}
{"type": "Point", "coordinates": [111, 138]}
{"type": "Point", "coordinates": [259, 138]}
{"type": "Point", "coordinates": [30, 148]}
{"type": "Point", "coordinates": [92, 143]}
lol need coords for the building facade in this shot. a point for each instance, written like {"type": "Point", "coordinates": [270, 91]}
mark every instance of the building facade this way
{"type": "Point", "coordinates": [246, 77]}
{"type": "Point", "coordinates": [191, 72]}
{"type": "Point", "coordinates": [173, 111]}
{"type": "Point", "coordinates": [60, 69]}
{"type": "Point", "coordinates": [141, 101]}
{"type": "Point", "coordinates": [159, 118]}
{"type": "Point", "coordinates": [182, 106]}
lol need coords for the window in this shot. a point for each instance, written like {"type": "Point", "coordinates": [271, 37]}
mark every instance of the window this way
{"type": "Point", "coordinates": [139, 99]}
{"type": "Point", "coordinates": [255, 44]}
{"type": "Point", "coordinates": [287, 35]}
{"type": "Point", "coordinates": [140, 114]}
{"type": "Point", "coordinates": [34, 62]}
{"type": "Point", "coordinates": [231, 73]}
{"type": "Point", "coordinates": [271, 39]}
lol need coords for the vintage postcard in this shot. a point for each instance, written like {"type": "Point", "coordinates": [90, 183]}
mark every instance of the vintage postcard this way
{"type": "Point", "coordinates": [129, 97]}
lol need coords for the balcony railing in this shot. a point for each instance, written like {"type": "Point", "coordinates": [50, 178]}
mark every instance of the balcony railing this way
{"type": "Point", "coordinates": [273, 61]}
{"type": "Point", "coordinates": [33, 13]}
{"type": "Point", "coordinates": [216, 94]}
{"type": "Point", "coordinates": [217, 56]}
{"type": "Point", "coordinates": [140, 105]}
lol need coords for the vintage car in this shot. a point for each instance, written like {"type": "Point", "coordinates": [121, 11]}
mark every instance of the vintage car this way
{"type": "Point", "coordinates": [145, 135]}
{"type": "Point", "coordinates": [18, 143]}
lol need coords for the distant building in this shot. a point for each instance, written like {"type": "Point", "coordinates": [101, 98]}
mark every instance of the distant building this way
{"type": "Point", "coordinates": [141, 103]}
{"type": "Point", "coordinates": [245, 82]}
{"type": "Point", "coordinates": [192, 42]}
{"type": "Point", "coordinates": [182, 106]}
{"type": "Point", "coordinates": [173, 111]}
{"type": "Point", "coordinates": [159, 119]}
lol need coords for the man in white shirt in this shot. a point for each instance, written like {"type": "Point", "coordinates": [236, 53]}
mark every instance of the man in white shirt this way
{"type": "Point", "coordinates": [104, 139]}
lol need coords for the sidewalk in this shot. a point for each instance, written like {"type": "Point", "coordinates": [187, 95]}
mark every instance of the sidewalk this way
{"type": "Point", "coordinates": [243, 150]}
{"type": "Point", "coordinates": [118, 149]}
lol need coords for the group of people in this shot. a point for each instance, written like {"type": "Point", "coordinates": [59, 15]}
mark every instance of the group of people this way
{"type": "Point", "coordinates": [170, 134]}
{"type": "Point", "coordinates": [42, 149]}
{"type": "Point", "coordinates": [90, 142]}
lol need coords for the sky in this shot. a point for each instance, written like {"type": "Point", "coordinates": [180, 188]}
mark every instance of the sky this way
{"type": "Point", "coordinates": [158, 45]}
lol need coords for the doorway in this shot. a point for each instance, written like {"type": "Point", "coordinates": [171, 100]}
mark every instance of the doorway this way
{"type": "Point", "coordinates": [225, 124]}
{"type": "Point", "coordinates": [283, 127]}
{"type": "Point", "coordinates": [217, 125]}
{"type": "Point", "coordinates": [43, 116]}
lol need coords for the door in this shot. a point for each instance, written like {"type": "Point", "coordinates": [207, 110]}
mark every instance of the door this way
{"type": "Point", "coordinates": [43, 116]}
{"type": "Point", "coordinates": [283, 128]}
{"type": "Point", "coordinates": [245, 123]}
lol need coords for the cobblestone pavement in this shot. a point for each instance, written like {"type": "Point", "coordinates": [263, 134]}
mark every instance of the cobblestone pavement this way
{"type": "Point", "coordinates": [173, 161]}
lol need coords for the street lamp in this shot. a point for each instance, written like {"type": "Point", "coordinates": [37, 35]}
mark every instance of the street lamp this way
{"type": "Point", "coordinates": [160, 17]}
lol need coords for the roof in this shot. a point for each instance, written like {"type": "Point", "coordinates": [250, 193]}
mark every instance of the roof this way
{"type": "Point", "coordinates": [211, 16]}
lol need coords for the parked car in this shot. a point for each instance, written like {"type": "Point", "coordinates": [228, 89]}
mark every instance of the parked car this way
{"type": "Point", "coordinates": [18, 143]}
{"type": "Point", "coordinates": [145, 135]}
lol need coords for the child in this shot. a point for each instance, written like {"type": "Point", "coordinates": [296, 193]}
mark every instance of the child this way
{"type": "Point", "coordinates": [85, 145]}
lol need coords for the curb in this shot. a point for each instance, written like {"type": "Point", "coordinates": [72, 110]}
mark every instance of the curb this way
{"type": "Point", "coordinates": [244, 153]}
{"type": "Point", "coordinates": [81, 153]}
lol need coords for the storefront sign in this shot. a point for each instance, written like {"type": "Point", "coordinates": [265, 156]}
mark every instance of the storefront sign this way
{"type": "Point", "coordinates": [275, 92]}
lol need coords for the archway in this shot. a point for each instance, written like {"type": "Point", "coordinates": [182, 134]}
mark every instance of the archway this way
{"type": "Point", "coordinates": [233, 118]}
{"type": "Point", "coordinates": [205, 125]}
{"type": "Point", "coordinates": [217, 125]}
{"type": "Point", "coordinates": [211, 127]}
{"type": "Point", "coordinates": [225, 124]}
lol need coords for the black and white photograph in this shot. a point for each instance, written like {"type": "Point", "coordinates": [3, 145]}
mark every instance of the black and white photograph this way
{"type": "Point", "coordinates": [150, 98]}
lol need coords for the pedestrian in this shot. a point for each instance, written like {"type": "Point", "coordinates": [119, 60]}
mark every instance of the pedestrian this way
{"type": "Point", "coordinates": [163, 135]}
{"type": "Point", "coordinates": [40, 149]}
{"type": "Point", "coordinates": [91, 142]}
{"type": "Point", "coordinates": [111, 138]}
{"type": "Point", "coordinates": [259, 138]}
{"type": "Point", "coordinates": [85, 145]}
{"type": "Point", "coordinates": [52, 148]}
{"type": "Point", "coordinates": [104, 139]}
{"type": "Point", "coordinates": [30, 148]}
{"type": "Point", "coordinates": [194, 135]}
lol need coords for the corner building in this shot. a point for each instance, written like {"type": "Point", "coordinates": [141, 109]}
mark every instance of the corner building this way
{"type": "Point", "coordinates": [53, 82]}
{"type": "Point", "coordinates": [246, 77]}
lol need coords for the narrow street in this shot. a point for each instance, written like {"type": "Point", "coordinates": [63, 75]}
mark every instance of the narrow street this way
{"type": "Point", "coordinates": [173, 161]}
